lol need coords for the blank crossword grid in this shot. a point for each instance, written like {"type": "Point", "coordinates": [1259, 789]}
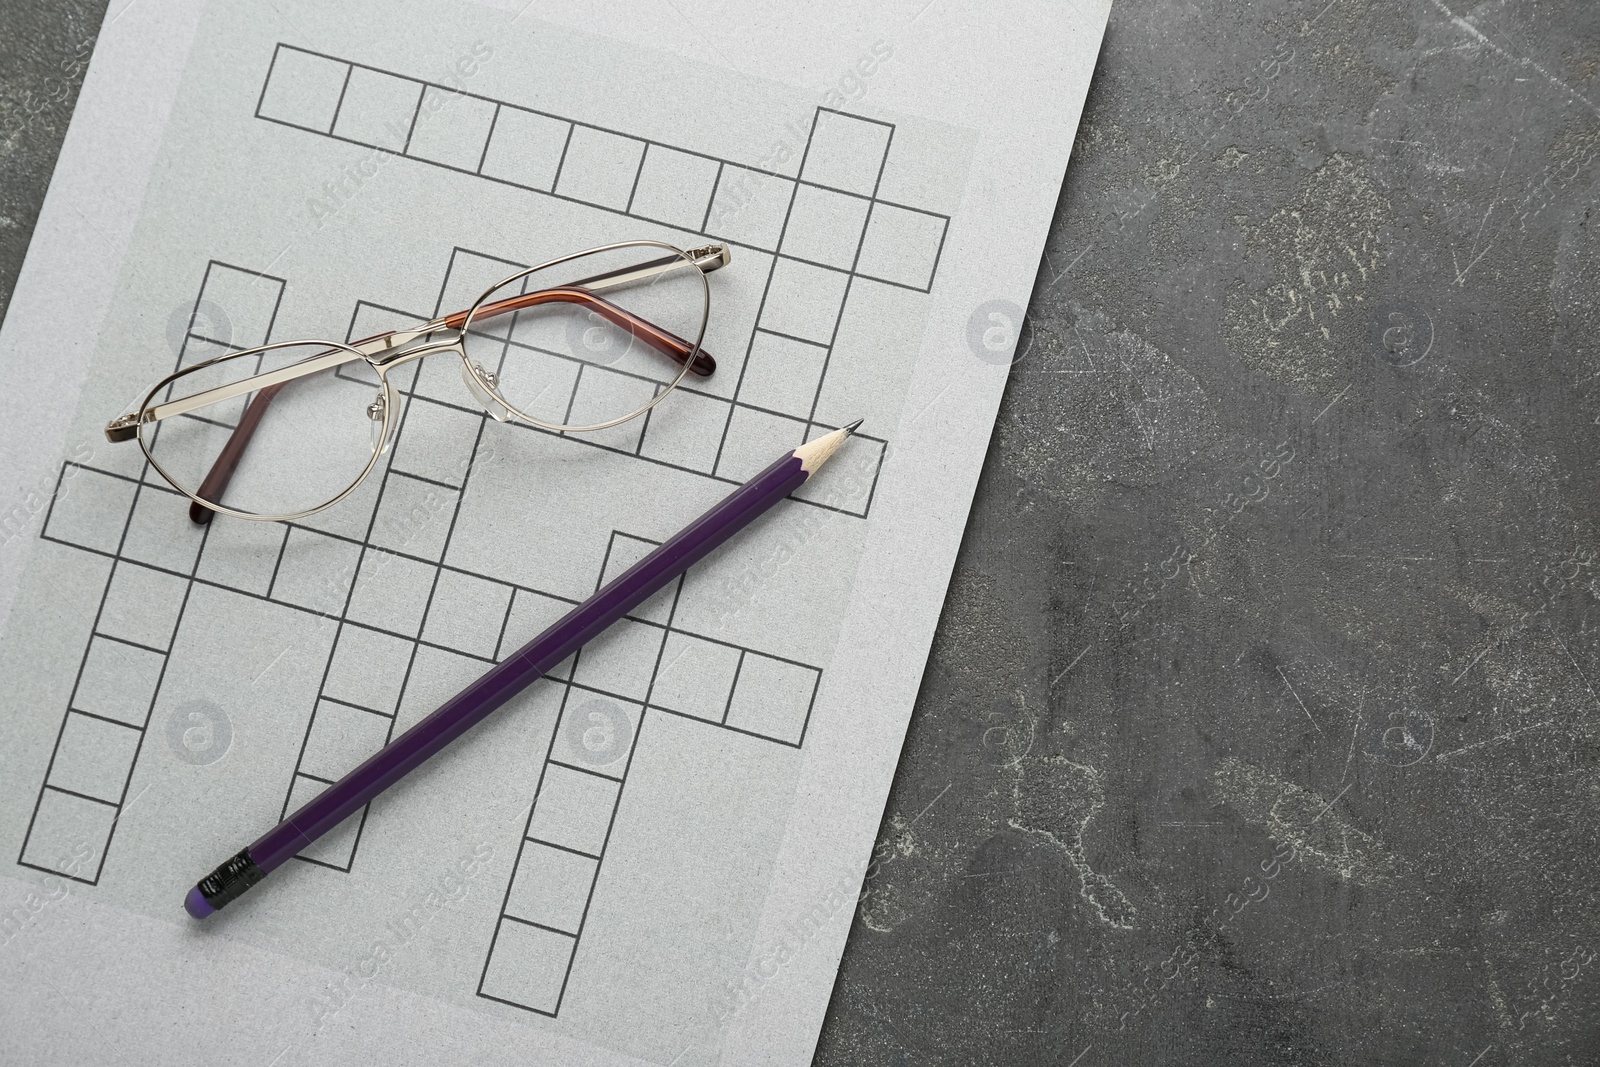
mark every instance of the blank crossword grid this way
{"type": "Point", "coordinates": [153, 570]}
{"type": "Point", "coordinates": [831, 219]}
{"type": "Point", "coordinates": [642, 663]}
{"type": "Point", "coordinates": [397, 610]}
{"type": "Point", "coordinates": [815, 236]}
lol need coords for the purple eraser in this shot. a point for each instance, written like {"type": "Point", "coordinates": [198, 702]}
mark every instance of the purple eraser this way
{"type": "Point", "coordinates": [197, 905]}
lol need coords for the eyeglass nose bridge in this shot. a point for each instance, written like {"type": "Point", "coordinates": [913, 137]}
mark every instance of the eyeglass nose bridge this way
{"type": "Point", "coordinates": [402, 348]}
{"type": "Point", "coordinates": [480, 381]}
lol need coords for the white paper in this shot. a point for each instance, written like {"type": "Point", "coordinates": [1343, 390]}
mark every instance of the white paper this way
{"type": "Point", "coordinates": [654, 857]}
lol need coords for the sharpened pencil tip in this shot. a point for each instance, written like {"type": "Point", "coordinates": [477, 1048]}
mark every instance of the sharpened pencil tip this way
{"type": "Point", "coordinates": [813, 454]}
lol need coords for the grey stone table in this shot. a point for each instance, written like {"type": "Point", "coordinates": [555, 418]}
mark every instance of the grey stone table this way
{"type": "Point", "coordinates": [1263, 723]}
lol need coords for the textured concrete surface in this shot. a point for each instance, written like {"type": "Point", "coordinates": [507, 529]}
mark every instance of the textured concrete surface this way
{"type": "Point", "coordinates": [44, 50]}
{"type": "Point", "coordinates": [1262, 726]}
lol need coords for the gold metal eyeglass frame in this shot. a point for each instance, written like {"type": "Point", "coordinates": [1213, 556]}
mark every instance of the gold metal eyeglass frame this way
{"type": "Point", "coordinates": [387, 351]}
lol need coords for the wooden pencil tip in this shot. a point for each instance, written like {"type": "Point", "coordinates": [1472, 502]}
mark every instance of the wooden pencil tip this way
{"type": "Point", "coordinates": [813, 454]}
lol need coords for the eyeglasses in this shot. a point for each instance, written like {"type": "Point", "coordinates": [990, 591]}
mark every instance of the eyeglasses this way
{"type": "Point", "coordinates": [543, 347]}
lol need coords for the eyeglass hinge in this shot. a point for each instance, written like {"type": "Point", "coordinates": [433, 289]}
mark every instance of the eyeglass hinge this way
{"type": "Point", "coordinates": [711, 257]}
{"type": "Point", "coordinates": [123, 428]}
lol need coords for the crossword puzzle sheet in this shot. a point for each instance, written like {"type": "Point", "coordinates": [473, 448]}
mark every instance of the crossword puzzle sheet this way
{"type": "Point", "coordinates": [652, 854]}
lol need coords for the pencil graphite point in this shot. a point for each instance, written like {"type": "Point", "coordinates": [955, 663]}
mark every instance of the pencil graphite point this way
{"type": "Point", "coordinates": [813, 454]}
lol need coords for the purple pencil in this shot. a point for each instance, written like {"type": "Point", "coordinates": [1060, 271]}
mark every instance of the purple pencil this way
{"type": "Point", "coordinates": [528, 664]}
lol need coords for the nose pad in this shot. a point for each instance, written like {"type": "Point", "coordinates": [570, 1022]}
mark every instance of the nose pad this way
{"type": "Point", "coordinates": [375, 413]}
{"type": "Point", "coordinates": [479, 381]}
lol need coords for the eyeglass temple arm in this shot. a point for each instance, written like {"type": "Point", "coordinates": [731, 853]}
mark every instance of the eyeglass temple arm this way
{"type": "Point", "coordinates": [664, 341]}
{"type": "Point", "coordinates": [710, 258]}
{"type": "Point", "coordinates": [221, 471]}
{"type": "Point", "coordinates": [670, 344]}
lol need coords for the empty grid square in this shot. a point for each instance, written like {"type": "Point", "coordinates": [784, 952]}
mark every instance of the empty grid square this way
{"type": "Point", "coordinates": [92, 511]}
{"type": "Point", "coordinates": [440, 379]}
{"type": "Point", "coordinates": [160, 532]}
{"type": "Point", "coordinates": [414, 516]}
{"type": "Point", "coordinates": [378, 109]}
{"type": "Point", "coordinates": [466, 279]}
{"type": "Point", "coordinates": [749, 207]}
{"type": "Point", "coordinates": [118, 681]}
{"type": "Point", "coordinates": [600, 167]}
{"type": "Point", "coordinates": [242, 555]}
{"type": "Point", "coordinates": [238, 303]}
{"type": "Point", "coordinates": [825, 226]}
{"type": "Point", "coordinates": [69, 835]}
{"type": "Point", "coordinates": [573, 809]}
{"type": "Point", "coordinates": [551, 887]}
{"type": "Point", "coordinates": [207, 322]}
{"type": "Point", "coordinates": [675, 188]}
{"type": "Point", "coordinates": [367, 668]}
{"type": "Point", "coordinates": [621, 660]}
{"type": "Point", "coordinates": [772, 697]}
{"type": "Point", "coordinates": [303, 89]}
{"type": "Point", "coordinates": [340, 739]}
{"type": "Point", "coordinates": [528, 966]}
{"type": "Point", "coordinates": [337, 847]}
{"type": "Point", "coordinates": [755, 439]}
{"type": "Point", "coordinates": [604, 395]}
{"type": "Point", "coordinates": [531, 614]}
{"type": "Point", "coordinates": [540, 384]}
{"type": "Point", "coordinates": [392, 592]}
{"type": "Point", "coordinates": [596, 732]}
{"type": "Point", "coordinates": [846, 152]}
{"type": "Point", "coordinates": [685, 429]}
{"type": "Point", "coordinates": [526, 148]}
{"type": "Point", "coordinates": [782, 374]}
{"type": "Point", "coordinates": [94, 757]}
{"type": "Point", "coordinates": [315, 571]}
{"type": "Point", "coordinates": [902, 246]}
{"type": "Point", "coordinates": [696, 677]}
{"type": "Point", "coordinates": [142, 605]}
{"type": "Point", "coordinates": [436, 443]}
{"type": "Point", "coordinates": [467, 613]}
{"type": "Point", "coordinates": [451, 129]}
{"type": "Point", "coordinates": [804, 300]}
{"type": "Point", "coordinates": [353, 517]}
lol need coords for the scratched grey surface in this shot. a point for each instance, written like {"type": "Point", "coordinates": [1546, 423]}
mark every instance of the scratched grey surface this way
{"type": "Point", "coordinates": [1261, 726]}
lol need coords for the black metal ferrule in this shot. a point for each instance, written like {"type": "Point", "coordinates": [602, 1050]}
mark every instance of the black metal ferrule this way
{"type": "Point", "coordinates": [230, 881]}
